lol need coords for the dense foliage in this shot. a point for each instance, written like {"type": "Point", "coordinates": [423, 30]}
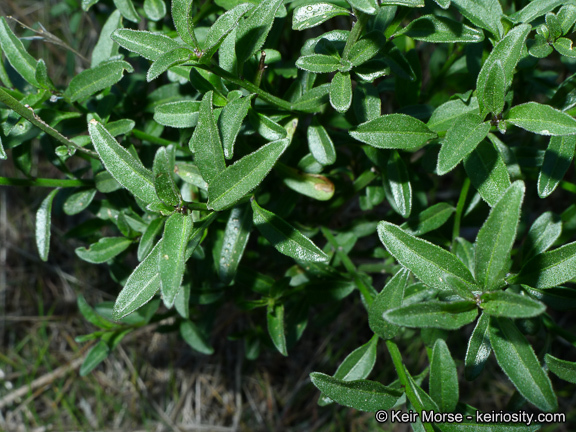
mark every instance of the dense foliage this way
{"type": "Point", "coordinates": [287, 157]}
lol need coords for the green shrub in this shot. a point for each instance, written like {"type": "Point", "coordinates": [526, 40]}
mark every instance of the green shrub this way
{"type": "Point", "coordinates": [227, 130]}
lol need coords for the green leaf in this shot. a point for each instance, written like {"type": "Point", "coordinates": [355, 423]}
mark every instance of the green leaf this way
{"type": "Point", "coordinates": [320, 144]}
{"type": "Point", "coordinates": [428, 262]}
{"type": "Point", "coordinates": [479, 348]}
{"type": "Point", "coordinates": [566, 17]}
{"type": "Point", "coordinates": [341, 92]}
{"type": "Point", "coordinates": [549, 269]}
{"type": "Point", "coordinates": [563, 369]}
{"type": "Point", "coordinates": [507, 52]}
{"type": "Point", "coordinates": [359, 363]}
{"type": "Point", "coordinates": [155, 9]}
{"type": "Point", "coordinates": [148, 238]}
{"type": "Point", "coordinates": [222, 27]}
{"type": "Point", "coordinates": [284, 237]}
{"type": "Point", "coordinates": [439, 29]}
{"type": "Point", "coordinates": [105, 183]}
{"type": "Point", "coordinates": [127, 170]}
{"type": "Point", "coordinates": [557, 160]}
{"type": "Point", "coordinates": [542, 234]}
{"type": "Point", "coordinates": [485, 14]}
{"type": "Point", "coordinates": [494, 90]}
{"type": "Point", "coordinates": [510, 305]}
{"type": "Point", "coordinates": [106, 47]}
{"type": "Point", "coordinates": [366, 48]}
{"type": "Point", "coordinates": [318, 63]}
{"type": "Point", "coordinates": [96, 79]}
{"type": "Point", "coordinates": [542, 119]}
{"type": "Point", "coordinates": [428, 220]}
{"type": "Point", "coordinates": [183, 21]}
{"type": "Point", "coordinates": [239, 179]}
{"type": "Point", "coordinates": [446, 114]}
{"type": "Point", "coordinates": [443, 377]}
{"type": "Point", "coordinates": [79, 200]}
{"type": "Point", "coordinates": [127, 9]}
{"type": "Point", "coordinates": [312, 100]}
{"type": "Point", "coordinates": [276, 327]}
{"type": "Point", "coordinates": [163, 169]}
{"type": "Point", "coordinates": [42, 77]}
{"type": "Point", "coordinates": [106, 249]}
{"type": "Point", "coordinates": [252, 31]}
{"type": "Point", "coordinates": [408, 3]}
{"type": "Point", "coordinates": [181, 114]}
{"type": "Point", "coordinates": [17, 56]}
{"type": "Point", "coordinates": [167, 60]}
{"type": "Point", "coordinates": [496, 237]}
{"type": "Point", "coordinates": [97, 354]}
{"type": "Point", "coordinates": [535, 9]}
{"type": "Point", "coordinates": [314, 186]}
{"type": "Point", "coordinates": [435, 314]}
{"type": "Point", "coordinates": [558, 298]}
{"type": "Point", "coordinates": [91, 316]}
{"type": "Point", "coordinates": [461, 139]}
{"type": "Point", "coordinates": [190, 174]}
{"type": "Point", "coordinates": [141, 286]}
{"type": "Point", "coordinates": [366, 102]}
{"type": "Point", "coordinates": [362, 395]}
{"type": "Point", "coordinates": [518, 361]}
{"type": "Point", "coordinates": [43, 224]}
{"type": "Point", "coordinates": [205, 142]}
{"type": "Point", "coordinates": [195, 338]}
{"type": "Point", "coordinates": [308, 16]}
{"type": "Point", "coordinates": [390, 297]}
{"type": "Point", "coordinates": [236, 237]}
{"type": "Point", "coordinates": [87, 4]}
{"type": "Point", "coordinates": [149, 45]}
{"type": "Point", "coordinates": [394, 131]}
{"type": "Point", "coordinates": [177, 232]}
{"type": "Point", "coordinates": [266, 127]}
{"type": "Point", "coordinates": [487, 172]}
{"type": "Point", "coordinates": [397, 187]}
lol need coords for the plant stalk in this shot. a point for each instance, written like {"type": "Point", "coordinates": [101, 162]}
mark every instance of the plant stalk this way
{"type": "Point", "coordinates": [45, 182]}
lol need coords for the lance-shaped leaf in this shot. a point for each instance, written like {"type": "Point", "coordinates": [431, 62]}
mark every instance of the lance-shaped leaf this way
{"type": "Point", "coordinates": [566, 17]}
{"type": "Point", "coordinates": [252, 32]}
{"type": "Point", "coordinates": [284, 237]}
{"type": "Point", "coordinates": [496, 237]}
{"type": "Point", "coordinates": [507, 52]}
{"type": "Point", "coordinates": [276, 327]}
{"type": "Point", "coordinates": [479, 348]}
{"type": "Point", "coordinates": [428, 220]}
{"type": "Point", "coordinates": [181, 114]}
{"type": "Point", "coordinates": [494, 90]}
{"type": "Point", "coordinates": [561, 368]}
{"type": "Point", "coordinates": [163, 182]}
{"type": "Point", "coordinates": [461, 139]}
{"type": "Point", "coordinates": [366, 102]}
{"type": "Point", "coordinates": [518, 361]}
{"type": "Point", "coordinates": [127, 9]}
{"type": "Point", "coordinates": [487, 172]}
{"type": "Point", "coordinates": [205, 142]}
{"type": "Point", "coordinates": [357, 365]}
{"type": "Point", "coordinates": [535, 9]}
{"type": "Point", "coordinates": [167, 60]}
{"type": "Point", "coordinates": [17, 56]}
{"type": "Point", "coordinates": [435, 314]}
{"type": "Point", "coordinates": [127, 170]}
{"type": "Point", "coordinates": [97, 354]}
{"type": "Point", "coordinates": [236, 237]}
{"type": "Point", "coordinates": [232, 184]}
{"type": "Point", "coordinates": [439, 29]}
{"type": "Point", "coordinates": [362, 395]}
{"type": "Point", "coordinates": [148, 238]}
{"type": "Point", "coordinates": [106, 47]}
{"type": "Point", "coordinates": [549, 269]}
{"type": "Point", "coordinates": [485, 14]}
{"type": "Point", "coordinates": [443, 377]}
{"type": "Point", "coordinates": [320, 144]}
{"type": "Point", "coordinates": [542, 119]}
{"type": "Point", "coordinates": [367, 6]}
{"type": "Point", "coordinates": [428, 262]}
{"type": "Point", "coordinates": [265, 126]}
{"type": "Point", "coordinates": [314, 186]}
{"type": "Point", "coordinates": [43, 225]}
{"type": "Point", "coordinates": [341, 92]}
{"type": "Point", "coordinates": [318, 63]}
{"type": "Point", "coordinates": [446, 114]}
{"type": "Point", "coordinates": [397, 186]}
{"type": "Point", "coordinates": [366, 48]}
{"type": "Point", "coordinates": [106, 249]}
{"type": "Point", "coordinates": [155, 9]}
{"type": "Point", "coordinates": [311, 15]}
{"type": "Point", "coordinates": [149, 45]}
{"type": "Point", "coordinates": [222, 27]}
{"type": "Point", "coordinates": [230, 122]}
{"type": "Point", "coordinates": [183, 22]}
{"type": "Point", "coordinates": [141, 286]}
{"type": "Point", "coordinates": [194, 337]}
{"type": "Point", "coordinates": [557, 160]}
{"type": "Point", "coordinates": [390, 297]}
{"type": "Point", "coordinates": [542, 234]}
{"type": "Point", "coordinates": [408, 3]}
{"type": "Point", "coordinates": [190, 174]}
{"type": "Point", "coordinates": [177, 232]}
{"type": "Point", "coordinates": [395, 131]}
{"type": "Point", "coordinates": [312, 100]}
{"type": "Point", "coordinates": [93, 80]}
{"type": "Point", "coordinates": [510, 305]}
